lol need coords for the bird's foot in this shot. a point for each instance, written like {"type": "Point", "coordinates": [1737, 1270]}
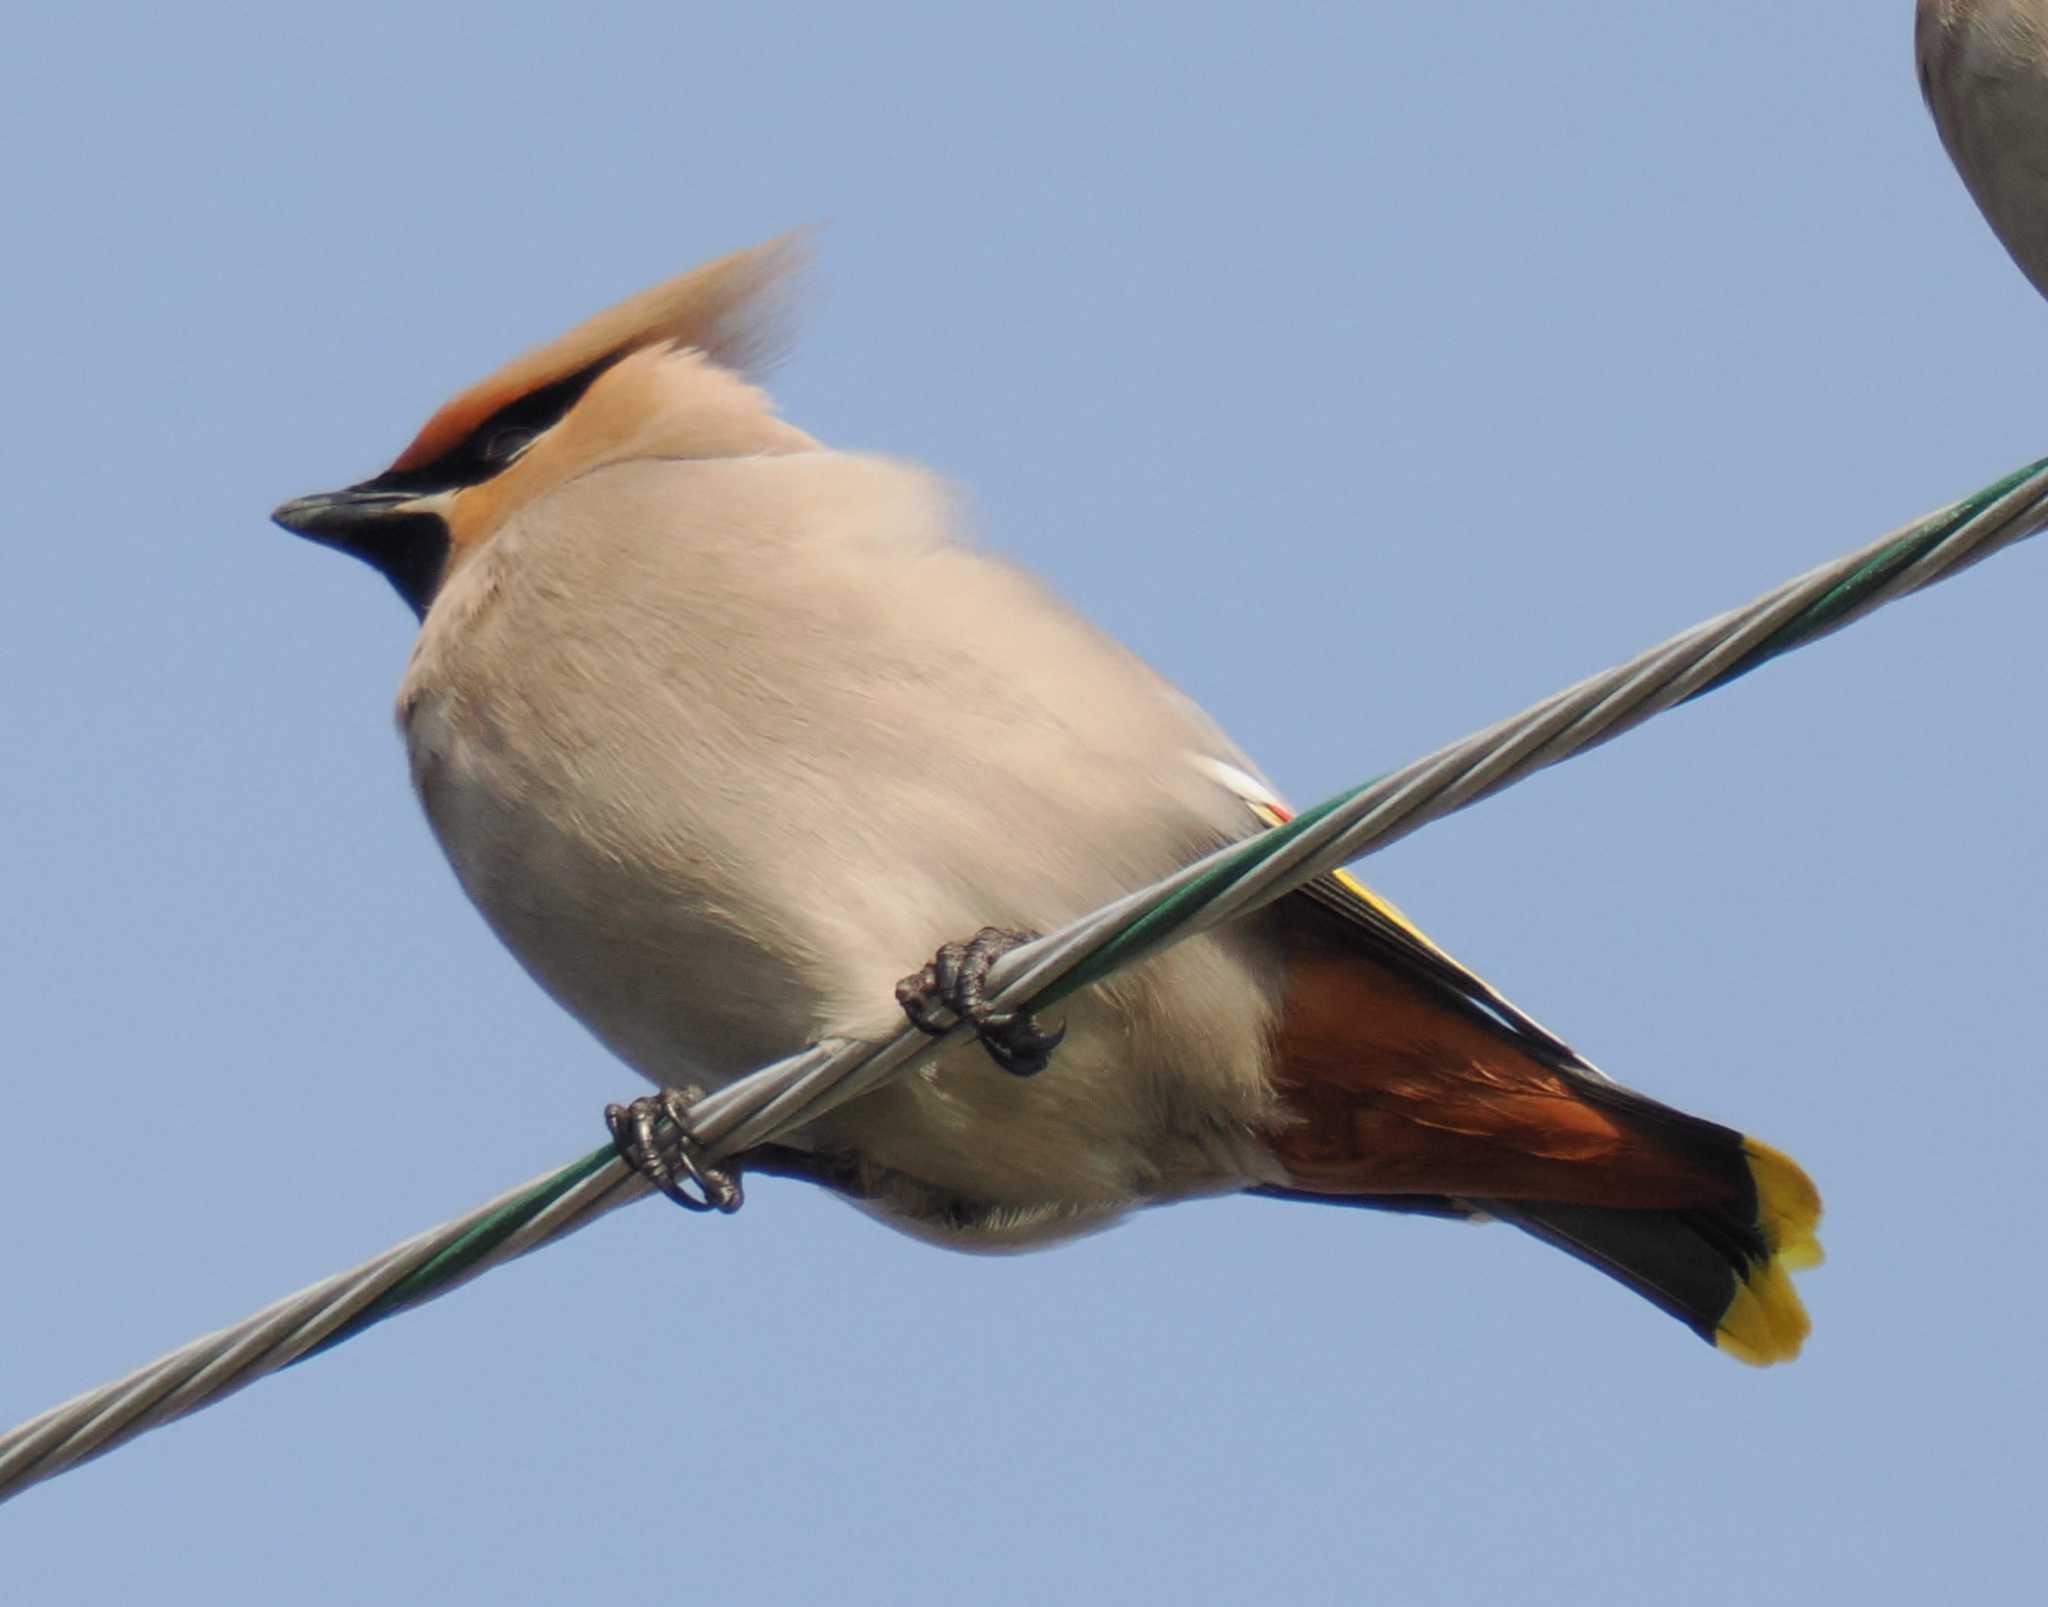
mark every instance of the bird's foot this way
{"type": "Point", "coordinates": [653, 1138]}
{"type": "Point", "coordinates": [955, 985]}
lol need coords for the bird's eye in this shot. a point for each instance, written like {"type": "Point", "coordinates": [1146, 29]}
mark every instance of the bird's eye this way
{"type": "Point", "coordinates": [501, 446]}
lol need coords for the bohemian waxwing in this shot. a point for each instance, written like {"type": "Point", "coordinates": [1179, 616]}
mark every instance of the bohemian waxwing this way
{"type": "Point", "coordinates": [725, 731]}
{"type": "Point", "coordinates": [1984, 70]}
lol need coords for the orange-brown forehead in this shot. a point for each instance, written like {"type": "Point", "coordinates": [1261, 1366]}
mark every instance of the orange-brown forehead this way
{"type": "Point", "coordinates": [458, 419]}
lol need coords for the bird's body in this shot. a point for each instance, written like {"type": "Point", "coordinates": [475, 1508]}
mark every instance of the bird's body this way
{"type": "Point", "coordinates": [682, 727]}
{"type": "Point", "coordinates": [725, 732]}
{"type": "Point", "coordinates": [1983, 68]}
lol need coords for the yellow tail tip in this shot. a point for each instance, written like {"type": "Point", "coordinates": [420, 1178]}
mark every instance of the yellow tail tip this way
{"type": "Point", "coordinates": [1765, 1322]}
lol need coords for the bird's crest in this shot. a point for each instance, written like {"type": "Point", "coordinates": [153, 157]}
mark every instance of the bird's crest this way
{"type": "Point", "coordinates": [734, 310]}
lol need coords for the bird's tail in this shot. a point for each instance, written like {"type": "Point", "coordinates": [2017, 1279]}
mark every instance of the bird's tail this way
{"type": "Point", "coordinates": [1409, 1083]}
{"type": "Point", "coordinates": [1721, 1268]}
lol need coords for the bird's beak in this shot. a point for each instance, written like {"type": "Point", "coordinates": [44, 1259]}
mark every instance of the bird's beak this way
{"type": "Point", "coordinates": [403, 534]}
{"type": "Point", "coordinates": [339, 518]}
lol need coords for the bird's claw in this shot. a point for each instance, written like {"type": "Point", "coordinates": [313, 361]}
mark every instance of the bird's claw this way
{"type": "Point", "coordinates": [652, 1136]}
{"type": "Point", "coordinates": [955, 987]}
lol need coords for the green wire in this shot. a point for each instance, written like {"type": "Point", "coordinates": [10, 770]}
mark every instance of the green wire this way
{"type": "Point", "coordinates": [1856, 587]}
{"type": "Point", "coordinates": [466, 1251]}
{"type": "Point", "coordinates": [1146, 929]}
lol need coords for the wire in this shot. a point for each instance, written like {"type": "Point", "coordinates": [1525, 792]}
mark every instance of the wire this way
{"type": "Point", "coordinates": [1229, 883]}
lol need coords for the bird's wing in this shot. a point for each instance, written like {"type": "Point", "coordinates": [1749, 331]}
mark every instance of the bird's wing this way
{"type": "Point", "coordinates": [1376, 926]}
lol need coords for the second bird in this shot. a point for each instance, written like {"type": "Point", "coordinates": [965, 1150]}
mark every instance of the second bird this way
{"type": "Point", "coordinates": [728, 733]}
{"type": "Point", "coordinates": [1983, 67]}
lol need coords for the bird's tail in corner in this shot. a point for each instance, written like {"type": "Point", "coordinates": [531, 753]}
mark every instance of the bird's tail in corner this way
{"type": "Point", "coordinates": [1720, 1269]}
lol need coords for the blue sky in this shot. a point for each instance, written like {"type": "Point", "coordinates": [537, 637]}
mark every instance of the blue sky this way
{"type": "Point", "coordinates": [1373, 370]}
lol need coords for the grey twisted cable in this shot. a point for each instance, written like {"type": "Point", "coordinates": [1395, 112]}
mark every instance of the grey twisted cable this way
{"type": "Point", "coordinates": [1229, 883]}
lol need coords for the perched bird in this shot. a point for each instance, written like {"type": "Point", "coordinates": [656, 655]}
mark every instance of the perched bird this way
{"type": "Point", "coordinates": [725, 731]}
{"type": "Point", "coordinates": [1984, 70]}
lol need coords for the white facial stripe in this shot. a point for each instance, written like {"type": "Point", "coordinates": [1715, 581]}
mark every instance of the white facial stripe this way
{"type": "Point", "coordinates": [437, 503]}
